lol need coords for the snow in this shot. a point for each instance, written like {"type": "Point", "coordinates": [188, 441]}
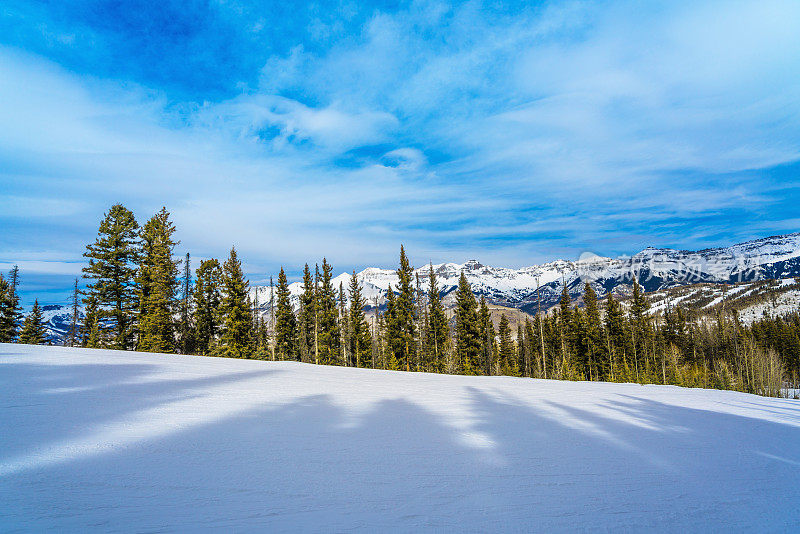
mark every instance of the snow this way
{"type": "Point", "coordinates": [122, 441]}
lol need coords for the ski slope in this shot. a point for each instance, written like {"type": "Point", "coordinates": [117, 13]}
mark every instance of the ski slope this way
{"type": "Point", "coordinates": [118, 441]}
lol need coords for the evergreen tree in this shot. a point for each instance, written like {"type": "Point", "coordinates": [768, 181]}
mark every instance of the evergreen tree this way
{"type": "Point", "coordinates": [7, 314]}
{"type": "Point", "coordinates": [506, 349]}
{"type": "Point", "coordinates": [404, 314]}
{"type": "Point", "coordinates": [16, 314]}
{"type": "Point", "coordinates": [391, 331]}
{"type": "Point", "coordinates": [157, 284]}
{"type": "Point", "coordinates": [112, 268]}
{"type": "Point", "coordinates": [33, 330]}
{"type": "Point", "coordinates": [615, 336]}
{"type": "Point", "coordinates": [207, 300]}
{"type": "Point", "coordinates": [438, 329]}
{"type": "Point", "coordinates": [236, 326]}
{"type": "Point", "coordinates": [327, 318]}
{"type": "Point", "coordinates": [307, 317]}
{"type": "Point", "coordinates": [73, 334]}
{"type": "Point", "coordinates": [360, 339]}
{"type": "Point", "coordinates": [468, 342]}
{"type": "Point", "coordinates": [185, 329]}
{"type": "Point", "coordinates": [592, 332]}
{"type": "Point", "coordinates": [285, 322]}
{"type": "Point", "coordinates": [488, 362]}
{"type": "Point", "coordinates": [344, 329]}
{"type": "Point", "coordinates": [90, 336]}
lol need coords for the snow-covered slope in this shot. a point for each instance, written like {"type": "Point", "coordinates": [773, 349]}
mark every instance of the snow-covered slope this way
{"type": "Point", "coordinates": [119, 441]}
{"type": "Point", "coordinates": [654, 269]}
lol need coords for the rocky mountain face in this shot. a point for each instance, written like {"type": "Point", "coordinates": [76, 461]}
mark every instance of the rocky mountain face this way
{"type": "Point", "coordinates": [654, 268]}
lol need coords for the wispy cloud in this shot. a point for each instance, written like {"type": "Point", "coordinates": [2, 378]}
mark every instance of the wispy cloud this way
{"type": "Point", "coordinates": [514, 133]}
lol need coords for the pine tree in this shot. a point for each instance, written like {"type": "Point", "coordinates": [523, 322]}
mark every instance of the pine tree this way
{"type": "Point", "coordinates": [90, 330]}
{"type": "Point", "coordinates": [157, 284]}
{"type": "Point", "coordinates": [360, 338]}
{"type": "Point", "coordinates": [185, 328]}
{"type": "Point", "coordinates": [33, 330]}
{"type": "Point", "coordinates": [468, 343]}
{"type": "Point", "coordinates": [306, 317]}
{"type": "Point", "coordinates": [593, 332]}
{"type": "Point", "coordinates": [344, 329]}
{"type": "Point", "coordinates": [404, 314]}
{"type": "Point", "coordinates": [615, 335]}
{"type": "Point", "coordinates": [438, 329]}
{"type": "Point", "coordinates": [236, 325]}
{"type": "Point", "coordinates": [327, 318]}
{"type": "Point", "coordinates": [207, 301]}
{"type": "Point", "coordinates": [16, 306]}
{"type": "Point", "coordinates": [73, 334]}
{"type": "Point", "coordinates": [285, 323]}
{"type": "Point", "coordinates": [487, 335]}
{"type": "Point", "coordinates": [113, 258]}
{"type": "Point", "coordinates": [7, 314]}
{"type": "Point", "coordinates": [506, 349]}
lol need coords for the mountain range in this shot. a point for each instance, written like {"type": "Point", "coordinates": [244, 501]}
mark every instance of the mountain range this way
{"type": "Point", "coordinates": [655, 269]}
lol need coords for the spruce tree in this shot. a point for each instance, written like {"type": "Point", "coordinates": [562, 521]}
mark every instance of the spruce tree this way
{"type": "Point", "coordinates": [306, 317]}
{"type": "Point", "coordinates": [438, 328]}
{"type": "Point", "coordinates": [405, 314]}
{"type": "Point", "coordinates": [73, 334]}
{"type": "Point", "coordinates": [615, 335]}
{"type": "Point", "coordinates": [468, 343]}
{"type": "Point", "coordinates": [285, 322]}
{"type": "Point", "coordinates": [113, 258]}
{"type": "Point", "coordinates": [506, 351]}
{"type": "Point", "coordinates": [16, 305]}
{"type": "Point", "coordinates": [327, 318]}
{"type": "Point", "coordinates": [236, 326]}
{"type": "Point", "coordinates": [33, 330]}
{"type": "Point", "coordinates": [344, 329]}
{"type": "Point", "coordinates": [7, 314]}
{"type": "Point", "coordinates": [207, 299]}
{"type": "Point", "coordinates": [391, 331]}
{"type": "Point", "coordinates": [593, 332]}
{"type": "Point", "coordinates": [487, 335]}
{"type": "Point", "coordinates": [185, 328]}
{"type": "Point", "coordinates": [90, 330]}
{"type": "Point", "coordinates": [157, 284]}
{"type": "Point", "coordinates": [360, 339]}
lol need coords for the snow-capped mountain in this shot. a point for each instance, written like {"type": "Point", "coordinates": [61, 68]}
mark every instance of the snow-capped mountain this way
{"type": "Point", "coordinates": [654, 268]}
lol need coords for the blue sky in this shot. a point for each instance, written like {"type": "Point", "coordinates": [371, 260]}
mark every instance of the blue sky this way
{"type": "Point", "coordinates": [510, 132]}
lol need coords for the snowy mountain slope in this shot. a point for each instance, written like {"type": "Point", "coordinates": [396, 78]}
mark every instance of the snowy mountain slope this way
{"type": "Point", "coordinates": [654, 269]}
{"type": "Point", "coordinates": [750, 300]}
{"type": "Point", "coordinates": [108, 440]}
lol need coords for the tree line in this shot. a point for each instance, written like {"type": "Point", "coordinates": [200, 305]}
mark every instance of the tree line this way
{"type": "Point", "coordinates": [139, 296]}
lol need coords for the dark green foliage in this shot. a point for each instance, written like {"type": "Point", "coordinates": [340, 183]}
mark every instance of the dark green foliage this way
{"type": "Point", "coordinates": [327, 318]}
{"type": "Point", "coordinates": [360, 340]}
{"type": "Point", "coordinates": [437, 328]}
{"type": "Point", "coordinates": [207, 300]}
{"type": "Point", "coordinates": [488, 363]}
{"type": "Point", "coordinates": [236, 323]}
{"type": "Point", "coordinates": [403, 316]}
{"type": "Point", "coordinates": [468, 330]}
{"type": "Point", "coordinates": [157, 285]}
{"type": "Point", "coordinates": [33, 330]}
{"type": "Point", "coordinates": [113, 259]}
{"type": "Point", "coordinates": [507, 354]}
{"type": "Point", "coordinates": [285, 322]}
{"type": "Point", "coordinates": [185, 327]}
{"type": "Point", "coordinates": [307, 318]}
{"type": "Point", "coordinates": [74, 332]}
{"type": "Point", "coordinates": [8, 316]}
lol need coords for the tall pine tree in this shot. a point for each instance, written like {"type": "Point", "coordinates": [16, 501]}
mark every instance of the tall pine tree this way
{"type": "Point", "coordinates": [113, 259]}
{"type": "Point", "coordinates": [157, 284]}
{"type": "Point", "coordinates": [33, 330]}
{"type": "Point", "coordinates": [207, 300]}
{"type": "Point", "coordinates": [438, 328]}
{"type": "Point", "coordinates": [236, 324]}
{"type": "Point", "coordinates": [360, 339]}
{"type": "Point", "coordinates": [285, 322]}
{"type": "Point", "coordinates": [327, 318]}
{"type": "Point", "coordinates": [468, 342]}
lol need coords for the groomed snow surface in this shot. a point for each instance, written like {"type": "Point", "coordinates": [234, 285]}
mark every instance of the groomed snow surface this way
{"type": "Point", "coordinates": [121, 441]}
